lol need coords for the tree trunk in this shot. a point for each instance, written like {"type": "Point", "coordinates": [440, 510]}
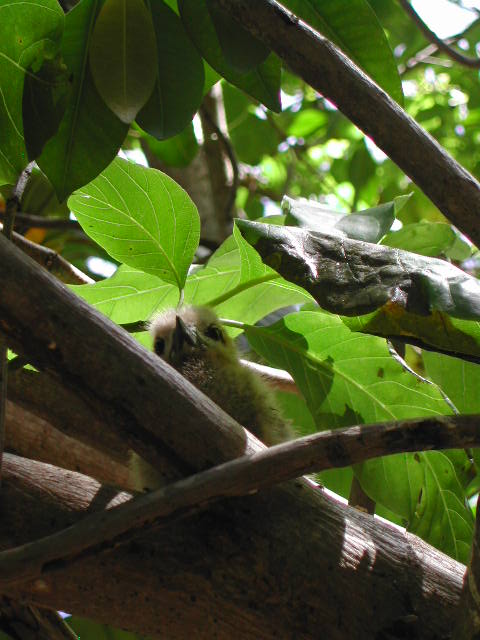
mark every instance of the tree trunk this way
{"type": "Point", "coordinates": [289, 562]}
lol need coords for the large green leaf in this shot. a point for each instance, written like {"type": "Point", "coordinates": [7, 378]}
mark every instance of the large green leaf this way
{"type": "Point", "coordinates": [351, 277]}
{"type": "Point", "coordinates": [178, 89]}
{"type": "Point", "coordinates": [45, 96]}
{"type": "Point", "coordinates": [459, 379]}
{"type": "Point", "coordinates": [344, 386]}
{"type": "Point", "coordinates": [141, 217]}
{"type": "Point", "coordinates": [369, 225]}
{"type": "Point", "coordinates": [436, 331]}
{"type": "Point", "coordinates": [262, 82]}
{"type": "Point", "coordinates": [353, 26]}
{"type": "Point", "coordinates": [425, 490]}
{"type": "Point", "coordinates": [340, 384]}
{"type": "Point", "coordinates": [428, 239]}
{"type": "Point", "coordinates": [242, 51]}
{"type": "Point", "coordinates": [132, 295]}
{"type": "Point", "coordinates": [123, 54]}
{"type": "Point", "coordinates": [129, 295]}
{"type": "Point", "coordinates": [30, 33]}
{"type": "Point", "coordinates": [90, 134]}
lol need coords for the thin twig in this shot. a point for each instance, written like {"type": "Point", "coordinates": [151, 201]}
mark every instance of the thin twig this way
{"type": "Point", "coordinates": [12, 205]}
{"type": "Point", "coordinates": [52, 261]}
{"type": "Point", "coordinates": [452, 53]}
{"type": "Point", "coordinates": [31, 220]}
{"type": "Point", "coordinates": [239, 477]}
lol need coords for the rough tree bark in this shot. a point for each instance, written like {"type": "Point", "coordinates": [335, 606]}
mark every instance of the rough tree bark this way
{"type": "Point", "coordinates": [287, 562]}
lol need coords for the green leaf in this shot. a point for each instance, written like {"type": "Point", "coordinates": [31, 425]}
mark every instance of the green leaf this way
{"type": "Point", "coordinates": [262, 83]}
{"type": "Point", "coordinates": [369, 225]}
{"type": "Point", "coordinates": [89, 630]}
{"type": "Point", "coordinates": [351, 277]}
{"type": "Point", "coordinates": [424, 489]}
{"type": "Point", "coordinates": [30, 33]}
{"type": "Point", "coordinates": [141, 217]}
{"type": "Point", "coordinates": [39, 197]}
{"type": "Point", "coordinates": [306, 122]}
{"type": "Point", "coordinates": [253, 290]}
{"type": "Point", "coordinates": [251, 137]}
{"type": "Point", "coordinates": [460, 380]}
{"type": "Point", "coordinates": [211, 77]}
{"type": "Point", "coordinates": [242, 51]}
{"type": "Point", "coordinates": [178, 89]}
{"type": "Point", "coordinates": [426, 238]}
{"type": "Point", "coordinates": [123, 53]}
{"type": "Point", "coordinates": [353, 26]}
{"type": "Point", "coordinates": [90, 134]}
{"type": "Point", "coordinates": [437, 331]}
{"type": "Point", "coordinates": [343, 387]}
{"type": "Point", "coordinates": [178, 151]}
{"type": "Point", "coordinates": [44, 101]}
{"type": "Point", "coordinates": [131, 295]}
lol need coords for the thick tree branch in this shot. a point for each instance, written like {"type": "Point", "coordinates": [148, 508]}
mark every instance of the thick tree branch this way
{"type": "Point", "coordinates": [452, 53]}
{"type": "Point", "coordinates": [258, 558]}
{"type": "Point", "coordinates": [315, 59]}
{"type": "Point", "coordinates": [243, 476]}
{"type": "Point", "coordinates": [285, 562]}
{"type": "Point", "coordinates": [131, 389]}
{"type": "Point", "coordinates": [30, 436]}
{"type": "Point", "coordinates": [45, 398]}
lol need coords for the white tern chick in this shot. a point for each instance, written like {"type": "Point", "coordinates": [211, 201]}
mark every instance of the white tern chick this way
{"type": "Point", "coordinates": [194, 342]}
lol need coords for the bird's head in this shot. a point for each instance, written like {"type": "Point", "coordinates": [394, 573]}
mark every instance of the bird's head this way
{"type": "Point", "coordinates": [189, 332]}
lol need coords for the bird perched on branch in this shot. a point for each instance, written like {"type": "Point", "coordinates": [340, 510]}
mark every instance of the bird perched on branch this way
{"type": "Point", "coordinates": [194, 342]}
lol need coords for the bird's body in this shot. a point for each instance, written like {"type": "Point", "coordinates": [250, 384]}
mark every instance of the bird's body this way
{"type": "Point", "coordinates": [194, 342]}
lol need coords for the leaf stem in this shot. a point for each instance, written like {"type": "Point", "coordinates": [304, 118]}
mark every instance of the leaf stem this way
{"type": "Point", "coordinates": [243, 286]}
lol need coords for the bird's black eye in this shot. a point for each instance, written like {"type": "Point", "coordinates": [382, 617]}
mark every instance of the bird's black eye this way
{"type": "Point", "coordinates": [159, 346]}
{"type": "Point", "coordinates": [214, 333]}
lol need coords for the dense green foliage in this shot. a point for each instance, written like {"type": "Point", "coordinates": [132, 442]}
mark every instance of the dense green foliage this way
{"type": "Point", "coordinates": [63, 107]}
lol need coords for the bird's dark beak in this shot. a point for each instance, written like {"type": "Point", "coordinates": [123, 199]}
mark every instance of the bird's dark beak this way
{"type": "Point", "coordinates": [181, 336]}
